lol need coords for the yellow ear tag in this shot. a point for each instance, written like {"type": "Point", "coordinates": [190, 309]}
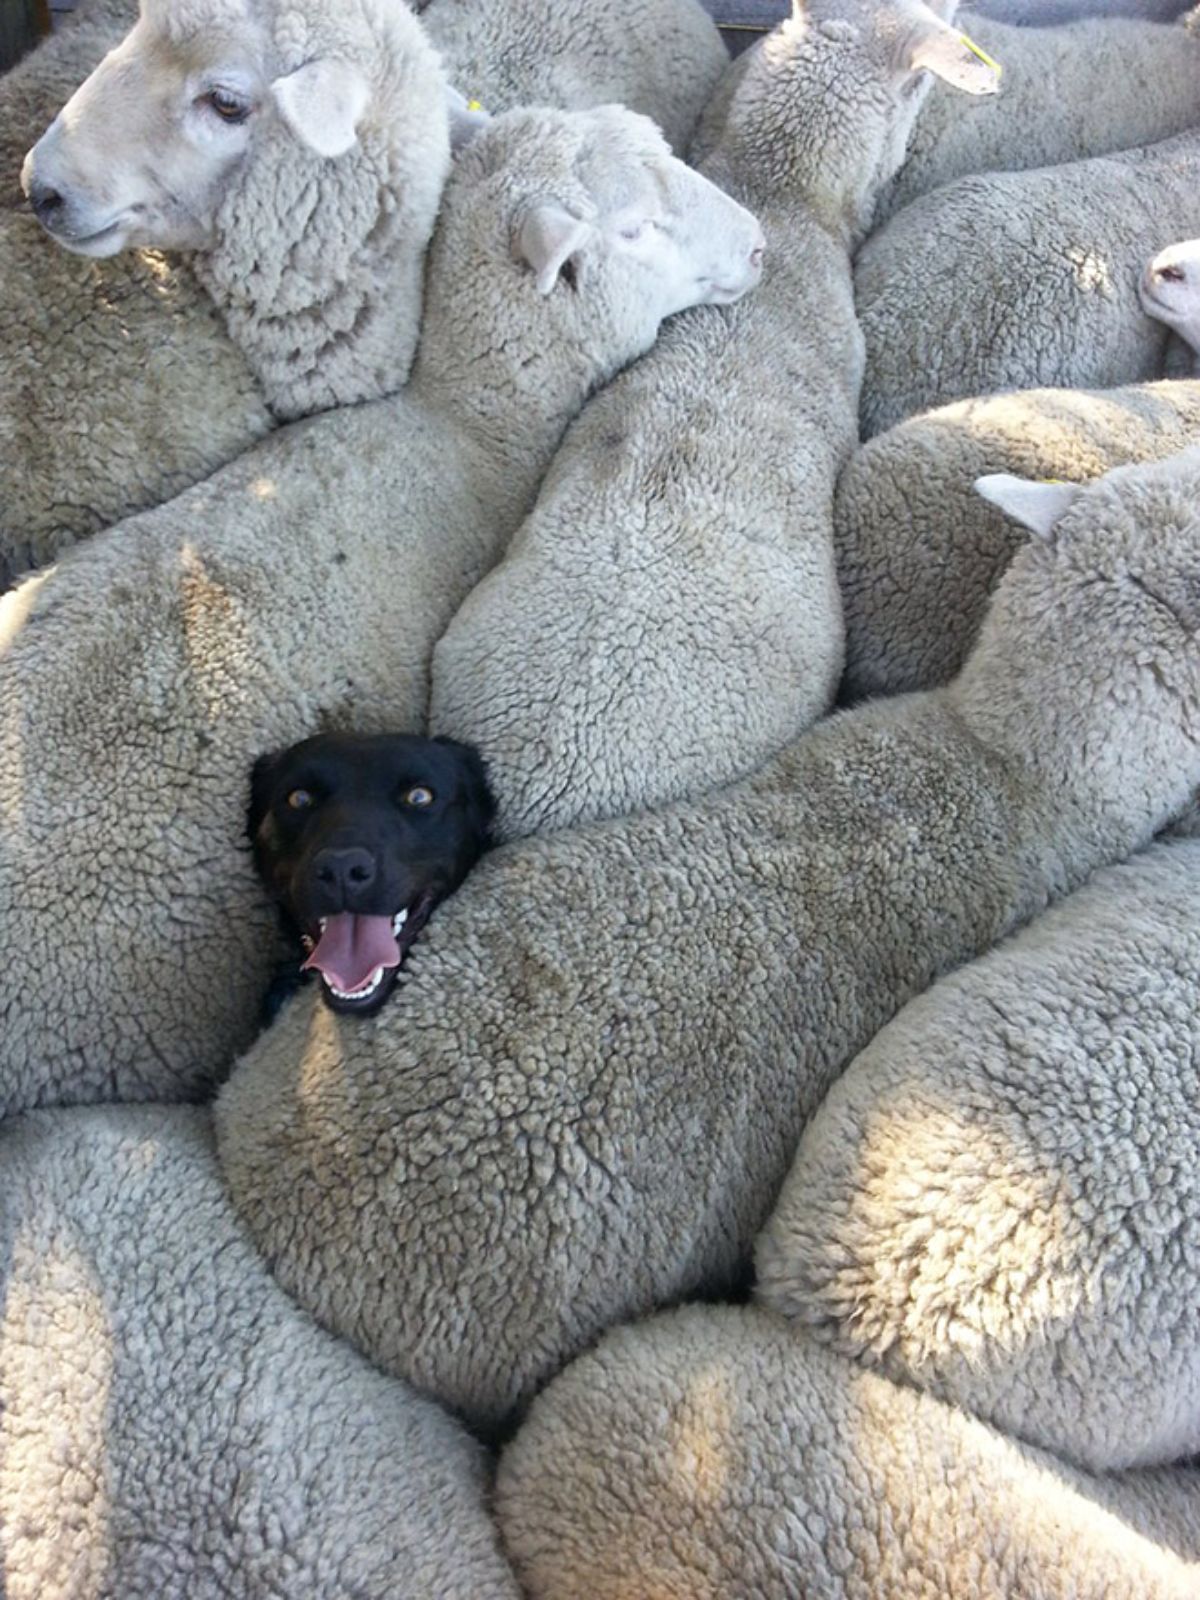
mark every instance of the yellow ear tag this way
{"type": "Point", "coordinates": [474, 105]}
{"type": "Point", "coordinates": [1055, 481]}
{"type": "Point", "coordinates": [978, 50]}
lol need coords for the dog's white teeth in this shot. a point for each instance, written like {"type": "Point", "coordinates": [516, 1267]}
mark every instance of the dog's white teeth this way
{"type": "Point", "coordinates": [398, 921]}
{"type": "Point", "coordinates": [363, 993]}
{"type": "Point", "coordinates": [323, 924]}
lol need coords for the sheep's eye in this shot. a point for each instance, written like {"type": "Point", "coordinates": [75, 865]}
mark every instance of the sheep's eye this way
{"type": "Point", "coordinates": [227, 106]}
{"type": "Point", "coordinates": [419, 796]}
{"type": "Point", "coordinates": [300, 800]}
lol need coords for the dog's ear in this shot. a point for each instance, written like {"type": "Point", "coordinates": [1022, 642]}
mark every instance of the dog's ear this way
{"type": "Point", "coordinates": [479, 801]}
{"type": "Point", "coordinates": [263, 778]}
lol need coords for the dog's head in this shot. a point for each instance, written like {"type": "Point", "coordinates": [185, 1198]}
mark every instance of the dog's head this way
{"type": "Point", "coordinates": [358, 837]}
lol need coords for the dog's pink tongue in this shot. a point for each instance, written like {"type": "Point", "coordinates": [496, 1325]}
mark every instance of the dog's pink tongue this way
{"type": "Point", "coordinates": [352, 947]}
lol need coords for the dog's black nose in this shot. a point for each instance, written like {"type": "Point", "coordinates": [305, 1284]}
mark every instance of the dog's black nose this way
{"type": "Point", "coordinates": [45, 202]}
{"type": "Point", "coordinates": [348, 872]}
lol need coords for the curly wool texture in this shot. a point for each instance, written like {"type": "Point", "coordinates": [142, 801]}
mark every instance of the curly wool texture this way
{"type": "Point", "coordinates": [554, 1125]}
{"type": "Point", "coordinates": [119, 386]}
{"type": "Point", "coordinates": [677, 571]}
{"type": "Point", "coordinates": [301, 588]}
{"type": "Point", "coordinates": [660, 57]}
{"type": "Point", "coordinates": [169, 396]}
{"type": "Point", "coordinates": [1036, 281]}
{"type": "Point", "coordinates": [919, 551]}
{"type": "Point", "coordinates": [717, 1455]}
{"type": "Point", "coordinates": [173, 1425]}
{"type": "Point", "coordinates": [1108, 83]}
{"type": "Point", "coordinates": [318, 264]}
{"type": "Point", "coordinates": [999, 1200]}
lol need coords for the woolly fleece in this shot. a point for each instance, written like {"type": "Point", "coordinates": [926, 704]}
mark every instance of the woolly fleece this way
{"type": "Point", "coordinates": [677, 572]}
{"type": "Point", "coordinates": [1108, 83]}
{"type": "Point", "coordinates": [660, 57]}
{"type": "Point", "coordinates": [919, 551]}
{"type": "Point", "coordinates": [173, 1425]}
{"type": "Point", "coordinates": [590, 1084]}
{"type": "Point", "coordinates": [716, 1455]}
{"type": "Point", "coordinates": [303, 587]}
{"type": "Point", "coordinates": [1017, 280]}
{"type": "Point", "coordinates": [167, 397]}
{"type": "Point", "coordinates": [999, 1202]}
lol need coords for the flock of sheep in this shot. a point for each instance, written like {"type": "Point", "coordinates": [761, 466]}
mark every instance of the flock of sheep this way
{"type": "Point", "coordinates": [349, 404]}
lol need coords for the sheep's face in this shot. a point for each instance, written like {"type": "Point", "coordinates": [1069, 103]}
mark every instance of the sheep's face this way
{"type": "Point", "coordinates": [1089, 660]}
{"type": "Point", "coordinates": [142, 152]}
{"type": "Point", "coordinates": [631, 235]}
{"type": "Point", "coordinates": [1170, 290]}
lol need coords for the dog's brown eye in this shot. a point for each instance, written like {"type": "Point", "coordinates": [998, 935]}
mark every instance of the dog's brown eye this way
{"type": "Point", "coordinates": [300, 800]}
{"type": "Point", "coordinates": [419, 797]}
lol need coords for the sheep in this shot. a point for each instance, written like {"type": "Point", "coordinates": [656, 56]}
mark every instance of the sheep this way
{"type": "Point", "coordinates": [1033, 281]}
{"type": "Point", "coordinates": [1108, 83]}
{"type": "Point", "coordinates": [661, 57]}
{"type": "Point", "coordinates": [590, 1084]}
{"type": "Point", "coordinates": [214, 128]}
{"type": "Point", "coordinates": [171, 1424]}
{"type": "Point", "coordinates": [919, 550]}
{"type": "Point", "coordinates": [715, 1454]}
{"type": "Point", "coordinates": [303, 587]}
{"type": "Point", "coordinates": [677, 574]}
{"type": "Point", "coordinates": [999, 1201]}
{"type": "Point", "coordinates": [169, 395]}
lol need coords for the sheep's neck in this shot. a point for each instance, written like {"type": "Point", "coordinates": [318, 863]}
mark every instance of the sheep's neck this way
{"type": "Point", "coordinates": [511, 413]}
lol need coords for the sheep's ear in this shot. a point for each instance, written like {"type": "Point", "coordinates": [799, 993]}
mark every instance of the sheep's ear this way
{"type": "Point", "coordinates": [953, 58]}
{"type": "Point", "coordinates": [549, 237]}
{"type": "Point", "coordinates": [467, 118]}
{"type": "Point", "coordinates": [1036, 506]}
{"type": "Point", "coordinates": [323, 103]}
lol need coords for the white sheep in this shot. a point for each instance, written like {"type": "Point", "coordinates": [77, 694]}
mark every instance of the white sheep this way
{"type": "Point", "coordinates": [298, 148]}
{"type": "Point", "coordinates": [584, 1096]}
{"type": "Point", "coordinates": [1106, 83]}
{"type": "Point", "coordinates": [919, 549]}
{"type": "Point", "coordinates": [669, 616]}
{"type": "Point", "coordinates": [1000, 1202]}
{"type": "Point", "coordinates": [172, 1425]}
{"type": "Point", "coordinates": [304, 586]}
{"type": "Point", "coordinates": [1022, 280]}
{"type": "Point", "coordinates": [716, 1454]}
{"type": "Point", "coordinates": [169, 396]}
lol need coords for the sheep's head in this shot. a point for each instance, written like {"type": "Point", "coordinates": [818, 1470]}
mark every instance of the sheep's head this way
{"type": "Point", "coordinates": [1088, 664]}
{"type": "Point", "coordinates": [1170, 290]}
{"type": "Point", "coordinates": [829, 102]}
{"type": "Point", "coordinates": [584, 226]}
{"type": "Point", "coordinates": [141, 153]}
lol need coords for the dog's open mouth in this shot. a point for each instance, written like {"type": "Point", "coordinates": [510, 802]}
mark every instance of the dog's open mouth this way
{"type": "Point", "coordinates": [359, 957]}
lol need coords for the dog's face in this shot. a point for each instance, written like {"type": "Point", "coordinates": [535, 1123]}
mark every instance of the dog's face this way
{"type": "Point", "coordinates": [358, 837]}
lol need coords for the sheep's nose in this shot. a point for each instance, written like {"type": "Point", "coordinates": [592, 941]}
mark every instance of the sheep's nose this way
{"type": "Point", "coordinates": [758, 255]}
{"type": "Point", "coordinates": [347, 872]}
{"type": "Point", "coordinates": [1169, 274]}
{"type": "Point", "coordinates": [46, 202]}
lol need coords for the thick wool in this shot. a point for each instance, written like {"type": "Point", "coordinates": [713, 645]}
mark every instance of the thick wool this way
{"type": "Point", "coordinates": [677, 574]}
{"type": "Point", "coordinates": [999, 1201]}
{"type": "Point", "coordinates": [1103, 84]}
{"type": "Point", "coordinates": [714, 1454]}
{"type": "Point", "coordinates": [171, 1424]}
{"type": "Point", "coordinates": [1017, 280]}
{"type": "Point", "coordinates": [660, 57]}
{"type": "Point", "coordinates": [585, 1094]}
{"type": "Point", "coordinates": [919, 551]}
{"type": "Point", "coordinates": [168, 396]}
{"type": "Point", "coordinates": [119, 386]}
{"type": "Point", "coordinates": [301, 588]}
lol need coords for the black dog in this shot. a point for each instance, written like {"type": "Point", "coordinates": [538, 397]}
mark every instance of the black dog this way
{"type": "Point", "coordinates": [358, 837]}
